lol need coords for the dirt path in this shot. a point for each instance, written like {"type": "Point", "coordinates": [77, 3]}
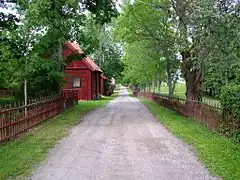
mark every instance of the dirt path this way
{"type": "Point", "coordinates": [122, 141]}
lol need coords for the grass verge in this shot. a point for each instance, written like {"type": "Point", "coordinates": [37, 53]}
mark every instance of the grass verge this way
{"type": "Point", "coordinates": [19, 157]}
{"type": "Point", "coordinates": [219, 154]}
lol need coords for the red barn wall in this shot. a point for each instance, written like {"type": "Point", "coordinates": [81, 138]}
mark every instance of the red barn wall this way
{"type": "Point", "coordinates": [84, 92]}
{"type": "Point", "coordinates": [99, 83]}
{"type": "Point", "coordinates": [93, 78]}
{"type": "Point", "coordinates": [90, 80]}
{"type": "Point", "coordinates": [96, 84]}
{"type": "Point", "coordinates": [102, 86]}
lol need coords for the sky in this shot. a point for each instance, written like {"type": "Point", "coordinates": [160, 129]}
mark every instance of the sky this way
{"type": "Point", "coordinates": [118, 5]}
{"type": "Point", "coordinates": [10, 8]}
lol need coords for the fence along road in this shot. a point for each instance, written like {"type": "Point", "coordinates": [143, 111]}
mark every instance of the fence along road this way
{"type": "Point", "coordinates": [16, 119]}
{"type": "Point", "coordinates": [121, 141]}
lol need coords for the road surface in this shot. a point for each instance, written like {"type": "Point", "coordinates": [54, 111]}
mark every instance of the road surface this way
{"type": "Point", "coordinates": [122, 141]}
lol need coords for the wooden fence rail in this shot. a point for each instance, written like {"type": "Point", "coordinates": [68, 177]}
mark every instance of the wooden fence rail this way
{"type": "Point", "coordinates": [211, 116]}
{"type": "Point", "coordinates": [14, 121]}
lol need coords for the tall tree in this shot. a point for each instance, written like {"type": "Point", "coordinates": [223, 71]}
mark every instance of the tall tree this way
{"type": "Point", "coordinates": [141, 23]}
{"type": "Point", "coordinates": [97, 40]}
{"type": "Point", "coordinates": [205, 28]}
{"type": "Point", "coordinates": [8, 24]}
{"type": "Point", "coordinates": [194, 30]}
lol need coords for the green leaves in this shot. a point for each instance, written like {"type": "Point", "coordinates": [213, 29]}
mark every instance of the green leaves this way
{"type": "Point", "coordinates": [45, 26]}
{"type": "Point", "coordinates": [97, 41]}
{"type": "Point", "coordinates": [204, 32]}
{"type": "Point", "coordinates": [148, 40]}
{"type": "Point", "coordinates": [230, 101]}
{"type": "Point", "coordinates": [103, 10]}
{"type": "Point", "coordinates": [222, 35]}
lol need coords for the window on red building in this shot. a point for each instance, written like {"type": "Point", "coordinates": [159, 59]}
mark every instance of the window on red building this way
{"type": "Point", "coordinates": [76, 82]}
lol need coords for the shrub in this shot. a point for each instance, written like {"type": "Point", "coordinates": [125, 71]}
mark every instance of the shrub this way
{"type": "Point", "coordinates": [108, 87]}
{"type": "Point", "coordinates": [230, 101]}
{"type": "Point", "coordinates": [4, 102]}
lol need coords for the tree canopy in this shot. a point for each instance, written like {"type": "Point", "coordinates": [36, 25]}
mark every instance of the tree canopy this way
{"type": "Point", "coordinates": [33, 31]}
{"type": "Point", "coordinates": [146, 44]}
{"type": "Point", "coordinates": [200, 39]}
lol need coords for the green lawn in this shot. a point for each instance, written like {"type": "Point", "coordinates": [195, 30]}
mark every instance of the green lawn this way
{"type": "Point", "coordinates": [180, 90]}
{"type": "Point", "coordinates": [218, 153]}
{"type": "Point", "coordinates": [19, 157]}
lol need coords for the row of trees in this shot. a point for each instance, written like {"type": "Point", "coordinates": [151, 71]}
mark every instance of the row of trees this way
{"type": "Point", "coordinates": [166, 39]}
{"type": "Point", "coordinates": [98, 40]}
{"type": "Point", "coordinates": [32, 37]}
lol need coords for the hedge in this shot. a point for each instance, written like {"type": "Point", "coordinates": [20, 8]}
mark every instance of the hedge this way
{"type": "Point", "coordinates": [230, 101]}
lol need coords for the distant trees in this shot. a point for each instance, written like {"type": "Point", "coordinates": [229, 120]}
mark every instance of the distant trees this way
{"type": "Point", "coordinates": [150, 53]}
{"type": "Point", "coordinates": [98, 41]}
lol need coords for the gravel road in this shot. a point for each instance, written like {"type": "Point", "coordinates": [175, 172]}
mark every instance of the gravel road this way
{"type": "Point", "coordinates": [122, 141]}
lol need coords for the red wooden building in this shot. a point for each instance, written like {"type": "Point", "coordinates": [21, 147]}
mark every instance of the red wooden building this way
{"type": "Point", "coordinates": [103, 79]}
{"type": "Point", "coordinates": [82, 75]}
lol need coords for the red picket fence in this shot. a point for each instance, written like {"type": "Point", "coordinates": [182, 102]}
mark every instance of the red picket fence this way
{"type": "Point", "coordinates": [16, 120]}
{"type": "Point", "coordinates": [70, 97]}
{"type": "Point", "coordinates": [211, 116]}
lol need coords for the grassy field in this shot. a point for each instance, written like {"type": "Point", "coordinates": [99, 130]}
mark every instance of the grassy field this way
{"type": "Point", "coordinates": [19, 157]}
{"type": "Point", "coordinates": [180, 90]}
{"type": "Point", "coordinates": [219, 154]}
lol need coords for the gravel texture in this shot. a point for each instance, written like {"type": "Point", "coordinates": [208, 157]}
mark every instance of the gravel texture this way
{"type": "Point", "coordinates": [122, 141]}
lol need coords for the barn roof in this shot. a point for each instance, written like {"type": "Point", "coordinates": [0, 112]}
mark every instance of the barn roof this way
{"type": "Point", "coordinates": [91, 64]}
{"type": "Point", "coordinates": [74, 47]}
{"type": "Point", "coordinates": [104, 77]}
{"type": "Point", "coordinates": [87, 60]}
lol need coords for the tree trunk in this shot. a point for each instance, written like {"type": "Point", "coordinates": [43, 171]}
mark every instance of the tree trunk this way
{"type": "Point", "coordinates": [174, 83]}
{"type": "Point", "coordinates": [193, 88]}
{"type": "Point", "coordinates": [25, 97]}
{"type": "Point", "coordinates": [159, 85]}
{"type": "Point", "coordinates": [154, 85]}
{"type": "Point", "coordinates": [169, 80]}
{"type": "Point", "coordinates": [148, 87]}
{"type": "Point", "coordinates": [58, 59]}
{"type": "Point", "coordinates": [170, 87]}
{"type": "Point", "coordinates": [193, 79]}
